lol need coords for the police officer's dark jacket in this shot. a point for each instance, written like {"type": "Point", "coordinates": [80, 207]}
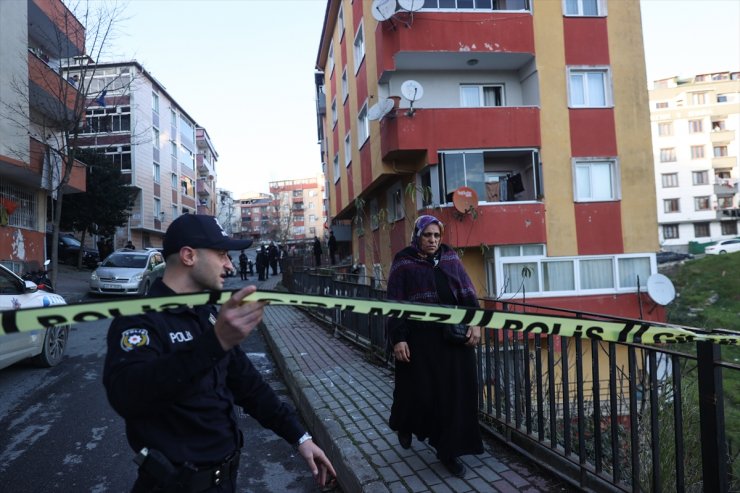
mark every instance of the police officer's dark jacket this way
{"type": "Point", "coordinates": [167, 375]}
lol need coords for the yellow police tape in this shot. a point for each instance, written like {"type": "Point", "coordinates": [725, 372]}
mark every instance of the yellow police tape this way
{"type": "Point", "coordinates": [618, 331]}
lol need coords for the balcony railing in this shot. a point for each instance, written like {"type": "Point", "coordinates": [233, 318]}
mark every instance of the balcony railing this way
{"type": "Point", "coordinates": [604, 416]}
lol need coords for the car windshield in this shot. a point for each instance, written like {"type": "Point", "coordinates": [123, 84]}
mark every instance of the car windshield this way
{"type": "Point", "coordinates": [126, 260]}
{"type": "Point", "coordinates": [69, 241]}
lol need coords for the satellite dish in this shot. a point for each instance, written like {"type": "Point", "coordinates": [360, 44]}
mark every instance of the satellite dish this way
{"type": "Point", "coordinates": [383, 9]}
{"type": "Point", "coordinates": [660, 289]}
{"type": "Point", "coordinates": [380, 109]}
{"type": "Point", "coordinates": [411, 5]}
{"type": "Point", "coordinates": [412, 90]}
{"type": "Point", "coordinates": [464, 199]}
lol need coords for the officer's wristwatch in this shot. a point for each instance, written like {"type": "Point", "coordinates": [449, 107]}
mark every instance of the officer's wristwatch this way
{"type": "Point", "coordinates": [306, 437]}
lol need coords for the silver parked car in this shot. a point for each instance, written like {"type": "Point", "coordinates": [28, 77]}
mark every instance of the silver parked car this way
{"type": "Point", "coordinates": [45, 346]}
{"type": "Point", "coordinates": [127, 272]}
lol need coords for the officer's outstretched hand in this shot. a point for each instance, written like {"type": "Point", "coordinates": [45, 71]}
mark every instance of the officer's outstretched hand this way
{"type": "Point", "coordinates": [237, 320]}
{"type": "Point", "coordinates": [318, 462]}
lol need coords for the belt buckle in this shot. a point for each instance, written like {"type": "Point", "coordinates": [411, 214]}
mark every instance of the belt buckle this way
{"type": "Point", "coordinates": [216, 476]}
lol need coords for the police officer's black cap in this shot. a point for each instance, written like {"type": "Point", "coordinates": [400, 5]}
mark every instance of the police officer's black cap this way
{"type": "Point", "coordinates": [199, 231]}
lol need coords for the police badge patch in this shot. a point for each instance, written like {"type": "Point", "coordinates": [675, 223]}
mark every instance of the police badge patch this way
{"type": "Point", "coordinates": [133, 338]}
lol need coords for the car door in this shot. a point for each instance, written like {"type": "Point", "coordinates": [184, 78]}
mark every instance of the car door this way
{"type": "Point", "coordinates": [20, 345]}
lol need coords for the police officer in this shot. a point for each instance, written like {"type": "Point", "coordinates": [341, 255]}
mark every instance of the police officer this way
{"type": "Point", "coordinates": [176, 376]}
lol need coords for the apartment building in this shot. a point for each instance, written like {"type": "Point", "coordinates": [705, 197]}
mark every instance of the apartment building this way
{"type": "Point", "coordinates": [695, 124]}
{"type": "Point", "coordinates": [259, 217]}
{"type": "Point", "coordinates": [139, 125]}
{"type": "Point", "coordinates": [36, 103]}
{"type": "Point", "coordinates": [228, 212]}
{"type": "Point", "coordinates": [523, 125]}
{"type": "Point", "coordinates": [205, 187]}
{"type": "Point", "coordinates": [300, 207]}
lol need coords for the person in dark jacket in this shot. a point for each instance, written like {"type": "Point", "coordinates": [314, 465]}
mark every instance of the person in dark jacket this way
{"type": "Point", "coordinates": [317, 251]}
{"type": "Point", "coordinates": [243, 265]}
{"type": "Point", "coordinates": [273, 255]}
{"type": "Point", "coordinates": [176, 376]}
{"type": "Point", "coordinates": [436, 390]}
{"type": "Point", "coordinates": [332, 248]}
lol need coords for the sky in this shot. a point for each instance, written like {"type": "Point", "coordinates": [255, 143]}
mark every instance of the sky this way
{"type": "Point", "coordinates": [244, 70]}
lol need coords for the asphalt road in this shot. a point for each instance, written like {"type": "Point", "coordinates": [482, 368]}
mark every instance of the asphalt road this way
{"type": "Point", "coordinates": [58, 433]}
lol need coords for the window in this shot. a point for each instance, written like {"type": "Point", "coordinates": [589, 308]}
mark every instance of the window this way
{"type": "Point", "coordinates": [374, 215]}
{"type": "Point", "coordinates": [359, 47]}
{"type": "Point", "coordinates": [595, 181]}
{"type": "Point", "coordinates": [347, 149]}
{"type": "Point", "coordinates": [665, 129]}
{"type": "Point", "coordinates": [157, 208]}
{"type": "Point", "coordinates": [174, 212]}
{"type": "Point", "coordinates": [120, 156]}
{"type": "Point", "coordinates": [155, 170]}
{"type": "Point", "coordinates": [720, 151]}
{"type": "Point", "coordinates": [330, 58]}
{"type": "Point", "coordinates": [667, 155]}
{"type": "Point", "coordinates": [336, 168]}
{"type": "Point", "coordinates": [729, 227]}
{"type": "Point", "coordinates": [669, 180]}
{"type": "Point", "coordinates": [155, 138]}
{"type": "Point", "coordinates": [363, 126]}
{"type": "Point", "coordinates": [661, 105]}
{"type": "Point", "coordinates": [698, 98]}
{"type": "Point", "coordinates": [155, 102]}
{"type": "Point", "coordinates": [701, 230]}
{"type": "Point", "coordinates": [590, 8]}
{"type": "Point", "coordinates": [476, 5]}
{"type": "Point", "coordinates": [334, 111]}
{"type": "Point", "coordinates": [340, 21]}
{"type": "Point", "coordinates": [718, 125]}
{"type": "Point", "coordinates": [463, 169]}
{"type": "Point", "coordinates": [173, 149]}
{"type": "Point", "coordinates": [670, 205]}
{"type": "Point", "coordinates": [26, 212]}
{"type": "Point", "coordinates": [697, 152]}
{"type": "Point", "coordinates": [475, 96]}
{"type": "Point", "coordinates": [394, 199]}
{"type": "Point", "coordinates": [345, 85]}
{"type": "Point", "coordinates": [721, 98]}
{"type": "Point", "coordinates": [701, 203]}
{"type": "Point", "coordinates": [631, 269]}
{"type": "Point", "coordinates": [724, 202]}
{"type": "Point", "coordinates": [589, 88]}
{"type": "Point", "coordinates": [700, 177]}
{"type": "Point", "coordinates": [108, 120]}
{"type": "Point", "coordinates": [670, 231]}
{"type": "Point", "coordinates": [173, 181]}
{"type": "Point", "coordinates": [695, 126]}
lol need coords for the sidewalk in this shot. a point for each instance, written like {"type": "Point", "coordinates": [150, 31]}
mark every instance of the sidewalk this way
{"type": "Point", "coordinates": [345, 401]}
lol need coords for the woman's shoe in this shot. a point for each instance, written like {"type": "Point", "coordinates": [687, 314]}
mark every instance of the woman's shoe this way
{"type": "Point", "coordinates": [455, 466]}
{"type": "Point", "coordinates": [404, 439]}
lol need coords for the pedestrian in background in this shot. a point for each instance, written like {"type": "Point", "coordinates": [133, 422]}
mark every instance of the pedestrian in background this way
{"type": "Point", "coordinates": [317, 251]}
{"type": "Point", "coordinates": [175, 376]}
{"type": "Point", "coordinates": [332, 248]}
{"type": "Point", "coordinates": [129, 245]}
{"type": "Point", "coordinates": [243, 265]}
{"type": "Point", "coordinates": [436, 388]}
{"type": "Point", "coordinates": [273, 254]}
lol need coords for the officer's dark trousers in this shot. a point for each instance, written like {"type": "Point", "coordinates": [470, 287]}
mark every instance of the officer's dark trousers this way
{"type": "Point", "coordinates": [146, 484]}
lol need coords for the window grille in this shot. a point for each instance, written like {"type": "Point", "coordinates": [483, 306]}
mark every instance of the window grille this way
{"type": "Point", "coordinates": [26, 210]}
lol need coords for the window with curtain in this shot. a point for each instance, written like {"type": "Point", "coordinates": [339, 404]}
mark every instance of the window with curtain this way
{"type": "Point", "coordinates": [359, 47]}
{"type": "Point", "coordinates": [590, 8]}
{"type": "Point", "coordinates": [589, 88]}
{"type": "Point", "coordinates": [558, 275]}
{"type": "Point", "coordinates": [477, 95]}
{"type": "Point", "coordinates": [595, 181]}
{"type": "Point", "coordinates": [630, 269]}
{"type": "Point", "coordinates": [521, 277]}
{"type": "Point", "coordinates": [596, 274]}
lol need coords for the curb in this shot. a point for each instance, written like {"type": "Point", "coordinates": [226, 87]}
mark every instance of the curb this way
{"type": "Point", "coordinates": [354, 473]}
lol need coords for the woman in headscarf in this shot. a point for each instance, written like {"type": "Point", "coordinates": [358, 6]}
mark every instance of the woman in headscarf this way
{"type": "Point", "coordinates": [436, 388]}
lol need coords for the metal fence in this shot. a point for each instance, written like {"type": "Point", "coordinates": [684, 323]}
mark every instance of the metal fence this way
{"type": "Point", "coordinates": [604, 416]}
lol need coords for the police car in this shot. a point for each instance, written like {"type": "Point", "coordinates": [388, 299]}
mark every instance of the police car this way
{"type": "Point", "coordinates": [45, 346]}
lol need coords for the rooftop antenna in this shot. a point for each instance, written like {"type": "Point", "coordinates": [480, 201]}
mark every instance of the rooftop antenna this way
{"type": "Point", "coordinates": [383, 10]}
{"type": "Point", "coordinates": [413, 91]}
{"type": "Point", "coordinates": [380, 109]}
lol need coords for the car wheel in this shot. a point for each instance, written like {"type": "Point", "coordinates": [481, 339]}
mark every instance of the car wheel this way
{"type": "Point", "coordinates": [722, 252]}
{"type": "Point", "coordinates": [55, 343]}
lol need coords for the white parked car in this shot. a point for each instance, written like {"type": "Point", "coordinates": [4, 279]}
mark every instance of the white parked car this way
{"type": "Point", "coordinates": [45, 346]}
{"type": "Point", "coordinates": [129, 272]}
{"type": "Point", "coordinates": [724, 246]}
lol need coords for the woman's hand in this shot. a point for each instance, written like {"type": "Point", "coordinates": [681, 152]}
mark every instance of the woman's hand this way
{"type": "Point", "coordinates": [402, 352]}
{"type": "Point", "coordinates": [473, 336]}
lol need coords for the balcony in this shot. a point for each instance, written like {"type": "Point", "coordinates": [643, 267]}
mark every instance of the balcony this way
{"type": "Point", "coordinates": [430, 130]}
{"type": "Point", "coordinates": [436, 41]}
{"type": "Point", "coordinates": [724, 162]}
{"type": "Point", "coordinates": [722, 136]}
{"type": "Point", "coordinates": [53, 27]}
{"type": "Point", "coordinates": [725, 187]}
{"type": "Point", "coordinates": [733, 214]}
{"type": "Point", "coordinates": [49, 93]}
{"type": "Point", "coordinates": [204, 187]}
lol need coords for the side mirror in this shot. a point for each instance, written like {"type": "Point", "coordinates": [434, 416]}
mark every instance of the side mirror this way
{"type": "Point", "coordinates": [47, 262]}
{"type": "Point", "coordinates": [31, 286]}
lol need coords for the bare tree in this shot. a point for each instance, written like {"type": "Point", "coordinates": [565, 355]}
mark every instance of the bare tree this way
{"type": "Point", "coordinates": [51, 108]}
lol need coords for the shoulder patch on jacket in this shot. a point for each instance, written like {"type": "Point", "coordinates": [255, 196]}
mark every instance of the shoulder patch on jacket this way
{"type": "Point", "coordinates": [133, 338]}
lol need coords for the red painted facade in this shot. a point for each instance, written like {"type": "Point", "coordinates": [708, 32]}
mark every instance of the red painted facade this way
{"type": "Point", "coordinates": [599, 228]}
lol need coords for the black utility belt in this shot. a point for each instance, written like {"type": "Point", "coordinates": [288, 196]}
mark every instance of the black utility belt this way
{"type": "Point", "coordinates": [185, 478]}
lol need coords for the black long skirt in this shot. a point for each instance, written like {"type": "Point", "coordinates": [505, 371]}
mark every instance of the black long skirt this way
{"type": "Point", "coordinates": [436, 394]}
